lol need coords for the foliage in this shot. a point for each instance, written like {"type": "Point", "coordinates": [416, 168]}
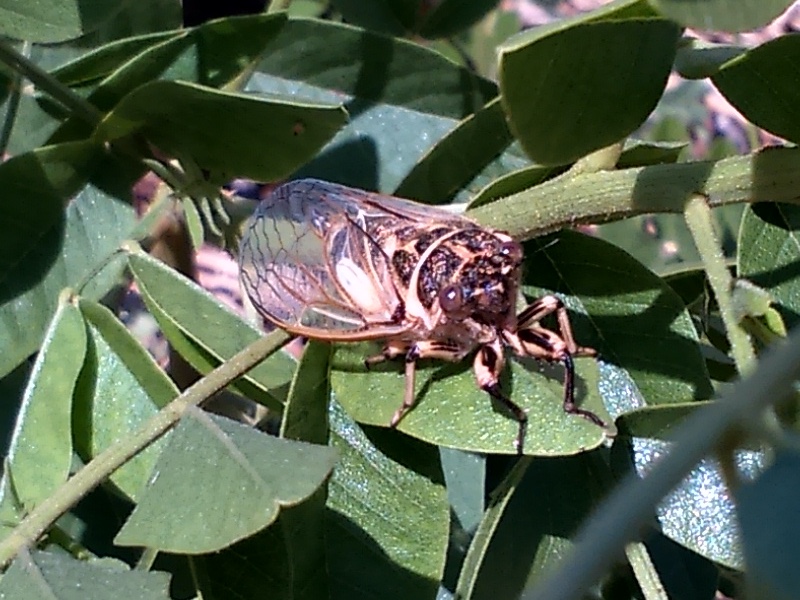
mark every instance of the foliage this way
{"type": "Point", "coordinates": [338, 505]}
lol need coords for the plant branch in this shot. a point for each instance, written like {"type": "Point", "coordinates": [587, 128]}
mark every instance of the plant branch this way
{"type": "Point", "coordinates": [770, 175]}
{"type": "Point", "coordinates": [629, 508]}
{"type": "Point", "coordinates": [113, 457]}
{"type": "Point", "coordinates": [48, 84]}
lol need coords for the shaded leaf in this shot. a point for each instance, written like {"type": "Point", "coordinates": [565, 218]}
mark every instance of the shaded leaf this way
{"type": "Point", "coordinates": [722, 15]}
{"type": "Point", "coordinates": [769, 531]}
{"type": "Point", "coordinates": [40, 453]}
{"type": "Point", "coordinates": [769, 254]}
{"type": "Point", "coordinates": [224, 132]}
{"type": "Point", "coordinates": [290, 553]}
{"type": "Point", "coordinates": [455, 159]}
{"type": "Point", "coordinates": [387, 524]}
{"type": "Point", "coordinates": [384, 83]}
{"type": "Point", "coordinates": [205, 332]}
{"type": "Point", "coordinates": [121, 387]}
{"type": "Point", "coordinates": [60, 577]}
{"type": "Point", "coordinates": [71, 246]}
{"type": "Point", "coordinates": [759, 84]}
{"type": "Point", "coordinates": [633, 319]}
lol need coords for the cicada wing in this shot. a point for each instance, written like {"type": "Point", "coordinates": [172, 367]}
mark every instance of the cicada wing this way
{"type": "Point", "coordinates": [308, 263]}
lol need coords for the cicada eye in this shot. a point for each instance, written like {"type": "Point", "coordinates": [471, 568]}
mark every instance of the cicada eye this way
{"type": "Point", "coordinates": [451, 298]}
{"type": "Point", "coordinates": [512, 250]}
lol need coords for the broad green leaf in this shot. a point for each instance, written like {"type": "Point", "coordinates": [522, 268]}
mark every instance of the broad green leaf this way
{"type": "Point", "coordinates": [395, 115]}
{"type": "Point", "coordinates": [769, 251]}
{"type": "Point", "coordinates": [204, 331]}
{"type": "Point", "coordinates": [224, 132]}
{"type": "Point", "coordinates": [452, 411]}
{"type": "Point", "coordinates": [769, 532]}
{"type": "Point", "coordinates": [291, 552]}
{"type": "Point", "coordinates": [387, 524]}
{"type": "Point", "coordinates": [525, 532]}
{"type": "Point", "coordinates": [633, 319]}
{"type": "Point", "coordinates": [722, 15]}
{"type": "Point", "coordinates": [58, 576]}
{"type": "Point", "coordinates": [71, 246]}
{"type": "Point", "coordinates": [759, 84]}
{"type": "Point", "coordinates": [121, 387]}
{"type": "Point", "coordinates": [579, 86]}
{"type": "Point", "coordinates": [40, 453]}
{"type": "Point", "coordinates": [217, 482]}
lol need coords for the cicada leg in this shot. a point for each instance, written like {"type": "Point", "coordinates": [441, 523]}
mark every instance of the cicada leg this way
{"type": "Point", "coordinates": [414, 351]}
{"type": "Point", "coordinates": [488, 365]}
{"type": "Point", "coordinates": [531, 339]}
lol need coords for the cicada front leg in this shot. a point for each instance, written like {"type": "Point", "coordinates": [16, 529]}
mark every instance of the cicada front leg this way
{"type": "Point", "coordinates": [412, 352]}
{"type": "Point", "coordinates": [532, 339]}
{"type": "Point", "coordinates": [488, 365]}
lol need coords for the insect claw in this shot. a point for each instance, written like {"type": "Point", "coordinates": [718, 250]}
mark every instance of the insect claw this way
{"type": "Point", "coordinates": [398, 414]}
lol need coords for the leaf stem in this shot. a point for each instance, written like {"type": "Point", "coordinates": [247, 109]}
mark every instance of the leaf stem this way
{"type": "Point", "coordinates": [701, 225]}
{"type": "Point", "coordinates": [113, 457]}
{"type": "Point", "coordinates": [767, 175]}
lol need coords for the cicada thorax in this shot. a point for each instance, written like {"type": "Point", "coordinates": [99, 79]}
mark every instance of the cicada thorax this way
{"type": "Point", "coordinates": [456, 277]}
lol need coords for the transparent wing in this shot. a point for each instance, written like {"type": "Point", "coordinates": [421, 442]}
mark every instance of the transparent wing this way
{"type": "Point", "coordinates": [310, 259]}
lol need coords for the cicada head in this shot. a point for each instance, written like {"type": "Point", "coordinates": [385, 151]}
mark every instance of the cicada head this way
{"type": "Point", "coordinates": [485, 286]}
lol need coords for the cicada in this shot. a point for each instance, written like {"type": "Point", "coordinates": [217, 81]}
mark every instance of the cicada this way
{"type": "Point", "coordinates": [335, 263]}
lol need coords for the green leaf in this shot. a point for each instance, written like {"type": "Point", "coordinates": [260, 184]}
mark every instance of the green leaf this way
{"type": "Point", "coordinates": [452, 411]}
{"type": "Point", "coordinates": [449, 17]}
{"type": "Point", "coordinates": [38, 184]}
{"type": "Point", "coordinates": [525, 532]}
{"type": "Point", "coordinates": [759, 84]}
{"type": "Point", "coordinates": [455, 159]}
{"type": "Point", "coordinates": [57, 576]}
{"type": "Point", "coordinates": [224, 132]}
{"type": "Point", "coordinates": [70, 246]}
{"type": "Point", "coordinates": [582, 85]}
{"type": "Point", "coordinates": [769, 532]}
{"type": "Point", "coordinates": [395, 115]}
{"type": "Point", "coordinates": [305, 416]}
{"type": "Point", "coordinates": [392, 17]}
{"type": "Point", "coordinates": [204, 331]}
{"type": "Point", "coordinates": [49, 22]}
{"type": "Point", "coordinates": [722, 15]}
{"type": "Point", "coordinates": [97, 64]}
{"type": "Point", "coordinates": [387, 525]}
{"type": "Point", "coordinates": [634, 320]}
{"type": "Point", "coordinates": [291, 552]}
{"type": "Point", "coordinates": [514, 182]}
{"type": "Point", "coordinates": [121, 387]}
{"type": "Point", "coordinates": [769, 251]}
{"type": "Point", "coordinates": [217, 482]}
{"type": "Point", "coordinates": [40, 453]}
{"type": "Point", "coordinates": [214, 54]}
